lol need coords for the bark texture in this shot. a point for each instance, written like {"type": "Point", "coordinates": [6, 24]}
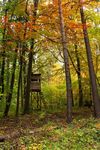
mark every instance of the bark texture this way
{"type": "Point", "coordinates": [94, 89]}
{"type": "Point", "coordinates": [67, 66]}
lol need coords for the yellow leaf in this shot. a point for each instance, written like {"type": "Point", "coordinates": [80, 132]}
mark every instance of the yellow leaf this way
{"type": "Point", "coordinates": [98, 125]}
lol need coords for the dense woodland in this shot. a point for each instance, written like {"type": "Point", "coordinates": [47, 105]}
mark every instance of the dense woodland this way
{"type": "Point", "coordinates": [59, 40]}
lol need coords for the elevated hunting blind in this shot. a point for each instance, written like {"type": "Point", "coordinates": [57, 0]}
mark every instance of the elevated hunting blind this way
{"type": "Point", "coordinates": [35, 83]}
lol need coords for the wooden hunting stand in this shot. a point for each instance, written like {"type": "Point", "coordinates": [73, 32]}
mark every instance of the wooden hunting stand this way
{"type": "Point", "coordinates": [36, 88]}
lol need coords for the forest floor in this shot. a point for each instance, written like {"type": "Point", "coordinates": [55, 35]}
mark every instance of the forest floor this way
{"type": "Point", "coordinates": [49, 131]}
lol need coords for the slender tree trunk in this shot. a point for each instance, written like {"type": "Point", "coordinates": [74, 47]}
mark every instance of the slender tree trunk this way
{"type": "Point", "coordinates": [95, 95]}
{"type": "Point", "coordinates": [67, 68]}
{"type": "Point", "coordinates": [79, 78]}
{"type": "Point", "coordinates": [7, 74]}
{"type": "Point", "coordinates": [24, 83]}
{"type": "Point", "coordinates": [27, 90]}
{"type": "Point", "coordinates": [9, 95]}
{"type": "Point", "coordinates": [22, 94]}
{"type": "Point", "coordinates": [3, 56]}
{"type": "Point", "coordinates": [19, 84]}
{"type": "Point", "coordinates": [23, 77]}
{"type": "Point", "coordinates": [2, 74]}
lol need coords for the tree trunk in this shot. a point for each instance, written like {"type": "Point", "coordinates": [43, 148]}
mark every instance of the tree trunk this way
{"type": "Point", "coordinates": [67, 68]}
{"type": "Point", "coordinates": [3, 56]}
{"type": "Point", "coordinates": [27, 90]}
{"type": "Point", "coordinates": [23, 82]}
{"type": "Point", "coordinates": [2, 75]}
{"type": "Point", "coordinates": [9, 95]}
{"type": "Point", "coordinates": [79, 78]}
{"type": "Point", "coordinates": [19, 85]}
{"type": "Point", "coordinates": [95, 95]}
{"type": "Point", "coordinates": [7, 74]}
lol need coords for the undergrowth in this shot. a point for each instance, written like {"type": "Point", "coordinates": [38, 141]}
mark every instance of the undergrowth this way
{"type": "Point", "coordinates": [53, 133]}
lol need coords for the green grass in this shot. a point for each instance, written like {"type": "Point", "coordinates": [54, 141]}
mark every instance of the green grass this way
{"type": "Point", "coordinates": [51, 132]}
